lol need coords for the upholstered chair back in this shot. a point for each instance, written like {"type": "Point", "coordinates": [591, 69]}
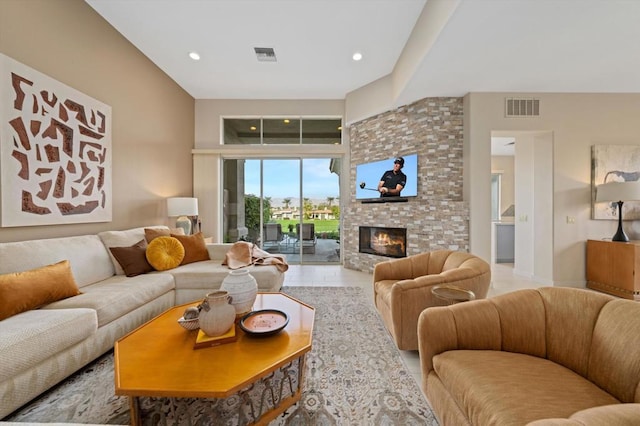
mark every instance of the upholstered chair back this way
{"type": "Point", "coordinates": [593, 334]}
{"type": "Point", "coordinates": [402, 287]}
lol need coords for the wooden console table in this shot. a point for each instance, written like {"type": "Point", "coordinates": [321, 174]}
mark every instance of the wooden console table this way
{"type": "Point", "coordinates": [614, 267]}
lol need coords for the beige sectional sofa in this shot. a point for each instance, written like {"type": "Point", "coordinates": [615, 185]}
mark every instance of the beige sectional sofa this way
{"type": "Point", "coordinates": [40, 347]}
{"type": "Point", "coordinates": [549, 356]}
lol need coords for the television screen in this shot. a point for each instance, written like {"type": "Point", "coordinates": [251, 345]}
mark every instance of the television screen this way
{"type": "Point", "coordinates": [368, 176]}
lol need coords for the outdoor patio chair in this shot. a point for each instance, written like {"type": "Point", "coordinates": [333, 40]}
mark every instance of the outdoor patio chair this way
{"type": "Point", "coordinates": [272, 235]}
{"type": "Point", "coordinates": [307, 237]}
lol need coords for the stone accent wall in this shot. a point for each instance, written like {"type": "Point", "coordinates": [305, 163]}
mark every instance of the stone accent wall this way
{"type": "Point", "coordinates": [437, 218]}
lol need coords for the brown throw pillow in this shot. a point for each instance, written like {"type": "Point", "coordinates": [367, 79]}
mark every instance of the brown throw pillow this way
{"type": "Point", "coordinates": [195, 248]}
{"type": "Point", "coordinates": [151, 233]}
{"type": "Point", "coordinates": [23, 291]}
{"type": "Point", "coordinates": [133, 259]}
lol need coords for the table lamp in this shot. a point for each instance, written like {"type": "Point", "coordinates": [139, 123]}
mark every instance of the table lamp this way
{"type": "Point", "coordinates": [186, 209]}
{"type": "Point", "coordinates": [618, 192]}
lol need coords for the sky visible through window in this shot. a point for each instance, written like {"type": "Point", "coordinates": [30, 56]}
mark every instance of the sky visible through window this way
{"type": "Point", "coordinates": [282, 179]}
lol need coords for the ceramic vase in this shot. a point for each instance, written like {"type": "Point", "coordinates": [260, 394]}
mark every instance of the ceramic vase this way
{"type": "Point", "coordinates": [217, 315]}
{"type": "Point", "coordinates": [243, 288]}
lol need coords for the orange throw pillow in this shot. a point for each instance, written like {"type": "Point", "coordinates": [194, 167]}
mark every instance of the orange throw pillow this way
{"type": "Point", "coordinates": [195, 248]}
{"type": "Point", "coordinates": [151, 233]}
{"type": "Point", "coordinates": [24, 291]}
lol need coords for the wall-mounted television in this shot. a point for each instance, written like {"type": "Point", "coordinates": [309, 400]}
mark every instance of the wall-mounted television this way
{"type": "Point", "coordinates": [368, 176]}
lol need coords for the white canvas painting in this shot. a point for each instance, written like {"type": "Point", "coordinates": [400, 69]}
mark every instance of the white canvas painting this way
{"type": "Point", "coordinates": [55, 151]}
{"type": "Point", "coordinates": [614, 163]}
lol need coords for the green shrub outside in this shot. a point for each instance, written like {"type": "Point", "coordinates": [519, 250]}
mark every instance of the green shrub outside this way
{"type": "Point", "coordinates": [324, 228]}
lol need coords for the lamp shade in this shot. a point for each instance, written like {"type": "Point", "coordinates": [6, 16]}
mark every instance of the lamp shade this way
{"type": "Point", "coordinates": [182, 206]}
{"type": "Point", "coordinates": [618, 191]}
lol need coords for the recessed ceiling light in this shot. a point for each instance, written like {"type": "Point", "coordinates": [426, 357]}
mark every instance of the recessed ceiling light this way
{"type": "Point", "coordinates": [286, 121]}
{"type": "Point", "coordinates": [194, 56]}
{"type": "Point", "coordinates": [339, 127]}
{"type": "Point", "coordinates": [253, 128]}
{"type": "Point", "coordinates": [357, 56]}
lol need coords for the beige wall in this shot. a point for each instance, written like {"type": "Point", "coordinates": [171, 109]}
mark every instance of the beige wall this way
{"type": "Point", "coordinates": [576, 121]}
{"type": "Point", "coordinates": [152, 117]}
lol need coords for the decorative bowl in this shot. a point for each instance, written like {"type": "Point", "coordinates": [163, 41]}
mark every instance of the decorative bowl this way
{"type": "Point", "coordinates": [266, 322]}
{"type": "Point", "coordinates": [189, 324]}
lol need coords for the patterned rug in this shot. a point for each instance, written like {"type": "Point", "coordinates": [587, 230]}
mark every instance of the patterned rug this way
{"type": "Point", "coordinates": [355, 375]}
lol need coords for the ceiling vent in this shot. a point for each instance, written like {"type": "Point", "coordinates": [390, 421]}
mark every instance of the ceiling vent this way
{"type": "Point", "coordinates": [522, 107]}
{"type": "Point", "coordinates": [265, 54]}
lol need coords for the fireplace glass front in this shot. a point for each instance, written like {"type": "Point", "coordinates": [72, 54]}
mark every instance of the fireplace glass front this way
{"type": "Point", "coordinates": [390, 242]}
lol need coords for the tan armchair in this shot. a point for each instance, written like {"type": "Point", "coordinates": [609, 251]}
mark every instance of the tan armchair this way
{"type": "Point", "coordinates": [402, 287]}
{"type": "Point", "coordinates": [546, 356]}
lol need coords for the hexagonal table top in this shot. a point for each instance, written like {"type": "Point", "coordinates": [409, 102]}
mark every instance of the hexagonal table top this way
{"type": "Point", "coordinates": [159, 359]}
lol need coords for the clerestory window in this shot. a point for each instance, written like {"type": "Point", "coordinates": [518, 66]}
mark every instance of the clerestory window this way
{"type": "Point", "coordinates": [282, 131]}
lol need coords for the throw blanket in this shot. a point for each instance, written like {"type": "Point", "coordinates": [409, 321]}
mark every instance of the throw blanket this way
{"type": "Point", "coordinates": [242, 254]}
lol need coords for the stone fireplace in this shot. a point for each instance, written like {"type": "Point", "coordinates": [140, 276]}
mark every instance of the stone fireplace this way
{"type": "Point", "coordinates": [389, 242]}
{"type": "Point", "coordinates": [438, 217]}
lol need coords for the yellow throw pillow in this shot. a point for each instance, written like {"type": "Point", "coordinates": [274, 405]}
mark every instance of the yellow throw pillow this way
{"type": "Point", "coordinates": [165, 253]}
{"type": "Point", "coordinates": [195, 248]}
{"type": "Point", "coordinates": [23, 291]}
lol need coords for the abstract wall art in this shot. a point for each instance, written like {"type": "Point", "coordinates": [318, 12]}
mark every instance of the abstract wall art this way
{"type": "Point", "coordinates": [614, 163]}
{"type": "Point", "coordinates": [55, 151]}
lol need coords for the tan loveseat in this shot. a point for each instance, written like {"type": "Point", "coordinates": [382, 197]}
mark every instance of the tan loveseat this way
{"type": "Point", "coordinates": [552, 356]}
{"type": "Point", "coordinates": [402, 287]}
{"type": "Point", "coordinates": [40, 347]}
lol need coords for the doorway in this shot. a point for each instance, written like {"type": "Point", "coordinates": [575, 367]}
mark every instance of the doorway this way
{"type": "Point", "coordinates": [286, 206]}
{"type": "Point", "coordinates": [524, 160]}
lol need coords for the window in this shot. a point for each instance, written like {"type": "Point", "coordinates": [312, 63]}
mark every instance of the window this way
{"type": "Point", "coordinates": [284, 205]}
{"type": "Point", "coordinates": [282, 131]}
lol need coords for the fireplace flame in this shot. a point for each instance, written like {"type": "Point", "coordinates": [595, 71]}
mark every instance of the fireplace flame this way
{"type": "Point", "coordinates": [384, 242]}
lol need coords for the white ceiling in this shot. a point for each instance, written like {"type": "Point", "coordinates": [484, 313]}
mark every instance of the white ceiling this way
{"type": "Point", "coordinates": [486, 45]}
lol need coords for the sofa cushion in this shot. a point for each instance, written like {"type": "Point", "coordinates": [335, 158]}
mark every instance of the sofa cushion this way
{"type": "Point", "coordinates": [118, 295]}
{"type": "Point", "coordinates": [195, 249]}
{"type": "Point", "coordinates": [505, 388]}
{"type": "Point", "coordinates": [31, 337]}
{"type": "Point", "coordinates": [23, 291]}
{"type": "Point", "coordinates": [123, 239]}
{"type": "Point", "coordinates": [617, 414]}
{"type": "Point", "coordinates": [87, 255]}
{"type": "Point", "coordinates": [614, 361]}
{"type": "Point", "coordinates": [218, 250]}
{"type": "Point", "coordinates": [133, 259]}
{"type": "Point", "coordinates": [165, 253]}
{"type": "Point", "coordinates": [210, 273]}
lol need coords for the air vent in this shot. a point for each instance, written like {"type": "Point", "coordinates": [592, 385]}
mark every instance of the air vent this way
{"type": "Point", "coordinates": [265, 54]}
{"type": "Point", "coordinates": [522, 107]}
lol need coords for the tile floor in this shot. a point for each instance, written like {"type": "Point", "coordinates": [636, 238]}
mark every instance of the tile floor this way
{"type": "Point", "coordinates": [503, 281]}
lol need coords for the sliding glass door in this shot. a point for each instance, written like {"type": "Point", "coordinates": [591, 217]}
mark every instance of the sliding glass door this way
{"type": "Point", "coordinates": [285, 206]}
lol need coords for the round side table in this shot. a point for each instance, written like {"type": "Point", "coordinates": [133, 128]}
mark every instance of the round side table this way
{"type": "Point", "coordinates": [447, 294]}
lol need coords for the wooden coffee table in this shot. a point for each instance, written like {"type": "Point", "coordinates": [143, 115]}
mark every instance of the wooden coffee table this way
{"type": "Point", "coordinates": [158, 359]}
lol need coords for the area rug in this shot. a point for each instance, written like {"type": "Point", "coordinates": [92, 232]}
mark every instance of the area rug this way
{"type": "Point", "coordinates": [355, 375]}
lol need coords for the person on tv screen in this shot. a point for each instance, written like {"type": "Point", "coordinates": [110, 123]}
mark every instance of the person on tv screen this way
{"type": "Point", "coordinates": [393, 181]}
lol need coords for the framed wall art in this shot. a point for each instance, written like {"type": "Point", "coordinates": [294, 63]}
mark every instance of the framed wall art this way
{"type": "Point", "coordinates": [614, 163]}
{"type": "Point", "coordinates": [55, 151]}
